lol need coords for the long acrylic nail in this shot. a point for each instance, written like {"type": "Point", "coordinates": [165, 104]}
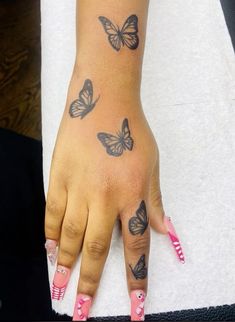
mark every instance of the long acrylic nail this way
{"type": "Point", "coordinates": [137, 305]}
{"type": "Point", "coordinates": [61, 279]}
{"type": "Point", "coordinates": [82, 307]}
{"type": "Point", "coordinates": [51, 248]}
{"type": "Point", "coordinates": [174, 239]}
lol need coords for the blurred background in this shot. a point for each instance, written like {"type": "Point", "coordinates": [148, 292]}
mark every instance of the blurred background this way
{"type": "Point", "coordinates": [24, 290]}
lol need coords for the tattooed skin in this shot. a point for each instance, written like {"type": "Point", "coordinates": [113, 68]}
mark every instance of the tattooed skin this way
{"type": "Point", "coordinates": [84, 104]}
{"type": "Point", "coordinates": [139, 223]}
{"type": "Point", "coordinates": [116, 144]}
{"type": "Point", "coordinates": [119, 37]}
{"type": "Point", "coordinates": [140, 271]}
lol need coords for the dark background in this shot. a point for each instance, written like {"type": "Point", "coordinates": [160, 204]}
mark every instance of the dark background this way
{"type": "Point", "coordinates": [24, 287]}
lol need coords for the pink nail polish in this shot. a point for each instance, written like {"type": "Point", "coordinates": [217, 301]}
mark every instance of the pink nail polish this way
{"type": "Point", "coordinates": [60, 282]}
{"type": "Point", "coordinates": [51, 248]}
{"type": "Point", "coordinates": [174, 239]}
{"type": "Point", "coordinates": [137, 305]}
{"type": "Point", "coordinates": [82, 307]}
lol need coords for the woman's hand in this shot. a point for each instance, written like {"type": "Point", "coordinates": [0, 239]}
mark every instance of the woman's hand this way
{"type": "Point", "coordinates": [95, 179]}
{"type": "Point", "coordinates": [106, 163]}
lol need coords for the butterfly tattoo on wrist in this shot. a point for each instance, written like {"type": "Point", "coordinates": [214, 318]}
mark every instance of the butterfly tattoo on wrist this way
{"type": "Point", "coordinates": [140, 271]}
{"type": "Point", "coordinates": [116, 144]}
{"type": "Point", "coordinates": [126, 36]}
{"type": "Point", "coordinates": [139, 223]}
{"type": "Point", "coordinates": [84, 104]}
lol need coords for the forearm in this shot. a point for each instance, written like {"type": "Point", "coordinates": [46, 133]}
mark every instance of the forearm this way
{"type": "Point", "coordinates": [112, 69]}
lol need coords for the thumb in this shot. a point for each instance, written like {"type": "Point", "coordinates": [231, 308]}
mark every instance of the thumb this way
{"type": "Point", "coordinates": [156, 210]}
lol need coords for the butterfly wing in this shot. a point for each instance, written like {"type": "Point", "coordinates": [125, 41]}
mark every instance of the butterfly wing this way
{"type": "Point", "coordinates": [136, 226]}
{"type": "Point", "coordinates": [86, 94]}
{"type": "Point", "coordinates": [83, 105]}
{"type": "Point", "coordinates": [115, 41]}
{"type": "Point", "coordinates": [140, 271]}
{"type": "Point", "coordinates": [129, 32]}
{"type": "Point", "coordinates": [112, 143]}
{"type": "Point", "coordinates": [78, 109]}
{"type": "Point", "coordinates": [113, 34]}
{"type": "Point", "coordinates": [141, 214]}
{"type": "Point", "coordinates": [127, 139]}
{"type": "Point", "coordinates": [139, 223]}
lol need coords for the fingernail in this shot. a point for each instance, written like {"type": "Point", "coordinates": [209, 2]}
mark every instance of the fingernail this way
{"type": "Point", "coordinates": [137, 305]}
{"type": "Point", "coordinates": [82, 307]}
{"type": "Point", "coordinates": [60, 282]}
{"type": "Point", "coordinates": [174, 239]}
{"type": "Point", "coordinates": [51, 248]}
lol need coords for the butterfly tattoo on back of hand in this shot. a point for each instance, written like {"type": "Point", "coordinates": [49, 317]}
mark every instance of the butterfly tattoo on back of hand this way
{"type": "Point", "coordinates": [127, 35]}
{"type": "Point", "coordinates": [140, 270]}
{"type": "Point", "coordinates": [116, 144]}
{"type": "Point", "coordinates": [84, 104]}
{"type": "Point", "coordinates": [139, 223]}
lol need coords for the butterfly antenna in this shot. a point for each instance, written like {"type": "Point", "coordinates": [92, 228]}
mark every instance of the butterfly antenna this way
{"type": "Point", "coordinates": [131, 269]}
{"type": "Point", "coordinates": [96, 100]}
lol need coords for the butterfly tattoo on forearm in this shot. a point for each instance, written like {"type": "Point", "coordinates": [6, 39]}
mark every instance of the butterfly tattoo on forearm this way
{"type": "Point", "coordinates": [139, 223]}
{"type": "Point", "coordinates": [127, 35]}
{"type": "Point", "coordinates": [84, 104]}
{"type": "Point", "coordinates": [140, 271]}
{"type": "Point", "coordinates": [116, 144]}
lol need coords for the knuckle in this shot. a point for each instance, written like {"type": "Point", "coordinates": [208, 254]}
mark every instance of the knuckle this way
{"type": "Point", "coordinates": [88, 279]}
{"type": "Point", "coordinates": [53, 208]}
{"type": "Point", "coordinates": [140, 244]}
{"type": "Point", "coordinates": [50, 227]}
{"type": "Point", "coordinates": [104, 185]}
{"type": "Point", "coordinates": [96, 248]}
{"type": "Point", "coordinates": [136, 185]}
{"type": "Point", "coordinates": [66, 254]}
{"type": "Point", "coordinates": [72, 230]}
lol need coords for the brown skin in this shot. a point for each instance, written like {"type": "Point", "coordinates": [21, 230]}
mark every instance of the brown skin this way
{"type": "Point", "coordinates": [90, 189]}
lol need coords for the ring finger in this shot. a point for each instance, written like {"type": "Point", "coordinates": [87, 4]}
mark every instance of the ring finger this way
{"type": "Point", "coordinates": [136, 237]}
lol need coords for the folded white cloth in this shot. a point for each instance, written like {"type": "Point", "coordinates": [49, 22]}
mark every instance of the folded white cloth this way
{"type": "Point", "coordinates": [188, 94]}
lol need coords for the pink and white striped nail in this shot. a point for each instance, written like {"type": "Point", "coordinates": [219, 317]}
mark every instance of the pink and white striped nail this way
{"type": "Point", "coordinates": [137, 305]}
{"type": "Point", "coordinates": [82, 307]}
{"type": "Point", "coordinates": [174, 239]}
{"type": "Point", "coordinates": [60, 282]}
{"type": "Point", "coordinates": [51, 248]}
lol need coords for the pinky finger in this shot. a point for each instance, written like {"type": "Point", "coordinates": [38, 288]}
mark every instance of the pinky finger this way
{"type": "Point", "coordinates": [136, 239]}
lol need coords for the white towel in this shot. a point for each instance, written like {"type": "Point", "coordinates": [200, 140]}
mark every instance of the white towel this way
{"type": "Point", "coordinates": [188, 95]}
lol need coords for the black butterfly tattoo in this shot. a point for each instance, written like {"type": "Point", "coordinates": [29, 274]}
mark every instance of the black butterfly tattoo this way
{"type": "Point", "coordinates": [84, 104]}
{"type": "Point", "coordinates": [139, 223]}
{"type": "Point", "coordinates": [126, 36]}
{"type": "Point", "coordinates": [140, 271]}
{"type": "Point", "coordinates": [116, 144]}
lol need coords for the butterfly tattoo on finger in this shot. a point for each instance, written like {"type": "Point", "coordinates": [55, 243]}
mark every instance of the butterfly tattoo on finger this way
{"type": "Point", "coordinates": [139, 223]}
{"type": "Point", "coordinates": [84, 104]}
{"type": "Point", "coordinates": [116, 144]}
{"type": "Point", "coordinates": [140, 270]}
{"type": "Point", "coordinates": [126, 36]}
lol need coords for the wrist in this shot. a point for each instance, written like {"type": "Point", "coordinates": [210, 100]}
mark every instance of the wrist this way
{"type": "Point", "coordinates": [111, 80]}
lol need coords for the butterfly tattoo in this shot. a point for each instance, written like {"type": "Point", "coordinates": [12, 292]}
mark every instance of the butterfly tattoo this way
{"type": "Point", "coordinates": [84, 104]}
{"type": "Point", "coordinates": [116, 144]}
{"type": "Point", "coordinates": [125, 36]}
{"type": "Point", "coordinates": [140, 270]}
{"type": "Point", "coordinates": [138, 223]}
